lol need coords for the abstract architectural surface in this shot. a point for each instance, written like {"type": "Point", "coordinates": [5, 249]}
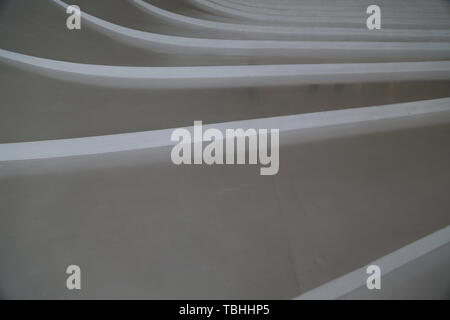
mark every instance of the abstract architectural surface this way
{"type": "Point", "coordinates": [86, 176]}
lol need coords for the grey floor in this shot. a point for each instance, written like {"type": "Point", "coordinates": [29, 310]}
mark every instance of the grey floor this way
{"type": "Point", "coordinates": [141, 227]}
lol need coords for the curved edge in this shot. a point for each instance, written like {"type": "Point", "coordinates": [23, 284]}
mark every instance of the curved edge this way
{"type": "Point", "coordinates": [352, 281]}
{"type": "Point", "coordinates": [280, 30]}
{"type": "Point", "coordinates": [337, 11]}
{"type": "Point", "coordinates": [287, 5]}
{"type": "Point", "coordinates": [160, 138]}
{"type": "Point", "coordinates": [437, 50]}
{"type": "Point", "coordinates": [220, 9]}
{"type": "Point", "coordinates": [228, 76]}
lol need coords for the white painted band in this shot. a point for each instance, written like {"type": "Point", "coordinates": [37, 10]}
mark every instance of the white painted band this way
{"type": "Point", "coordinates": [335, 10]}
{"type": "Point", "coordinates": [228, 76]}
{"type": "Point", "coordinates": [438, 50]}
{"type": "Point", "coordinates": [159, 138]}
{"type": "Point", "coordinates": [282, 30]}
{"type": "Point", "coordinates": [343, 5]}
{"type": "Point", "coordinates": [344, 285]}
{"type": "Point", "coordinates": [220, 9]}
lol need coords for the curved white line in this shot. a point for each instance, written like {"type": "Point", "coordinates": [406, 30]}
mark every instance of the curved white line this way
{"type": "Point", "coordinates": [343, 49]}
{"type": "Point", "coordinates": [229, 76]}
{"type": "Point", "coordinates": [220, 9]}
{"type": "Point", "coordinates": [344, 5]}
{"type": "Point", "coordinates": [279, 30]}
{"type": "Point", "coordinates": [334, 7]}
{"type": "Point", "coordinates": [160, 138]}
{"type": "Point", "coordinates": [331, 11]}
{"type": "Point", "coordinates": [344, 285]}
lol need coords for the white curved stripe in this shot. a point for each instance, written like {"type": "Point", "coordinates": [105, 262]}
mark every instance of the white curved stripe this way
{"type": "Point", "coordinates": [332, 11]}
{"type": "Point", "coordinates": [229, 76]}
{"type": "Point", "coordinates": [337, 5]}
{"type": "Point", "coordinates": [383, 34]}
{"type": "Point", "coordinates": [220, 9]}
{"type": "Point", "coordinates": [346, 284]}
{"type": "Point", "coordinates": [159, 138]}
{"type": "Point", "coordinates": [345, 5]}
{"type": "Point", "coordinates": [344, 49]}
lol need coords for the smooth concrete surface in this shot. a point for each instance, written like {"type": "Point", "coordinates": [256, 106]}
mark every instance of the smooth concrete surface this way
{"type": "Point", "coordinates": [48, 37]}
{"type": "Point", "coordinates": [400, 268]}
{"type": "Point", "coordinates": [188, 9]}
{"type": "Point", "coordinates": [235, 51]}
{"type": "Point", "coordinates": [333, 5]}
{"type": "Point", "coordinates": [338, 10]}
{"type": "Point", "coordinates": [320, 20]}
{"type": "Point", "coordinates": [426, 278]}
{"type": "Point", "coordinates": [375, 51]}
{"type": "Point", "coordinates": [207, 77]}
{"type": "Point", "coordinates": [240, 31]}
{"type": "Point", "coordinates": [159, 138]}
{"type": "Point", "coordinates": [223, 231]}
{"type": "Point", "coordinates": [67, 110]}
{"type": "Point", "coordinates": [141, 227]}
{"type": "Point", "coordinates": [221, 12]}
{"type": "Point", "coordinates": [130, 16]}
{"type": "Point", "coordinates": [407, 5]}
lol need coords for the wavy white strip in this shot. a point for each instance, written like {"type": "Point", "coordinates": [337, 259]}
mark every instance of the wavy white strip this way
{"type": "Point", "coordinates": [323, 32]}
{"type": "Point", "coordinates": [332, 49]}
{"type": "Point", "coordinates": [220, 9]}
{"type": "Point", "coordinates": [228, 76]}
{"type": "Point", "coordinates": [159, 138]}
